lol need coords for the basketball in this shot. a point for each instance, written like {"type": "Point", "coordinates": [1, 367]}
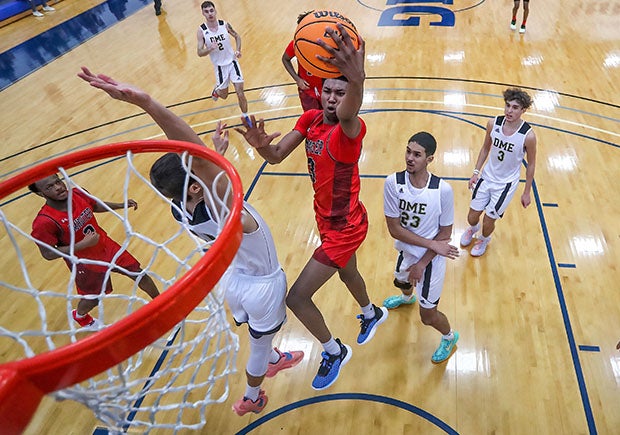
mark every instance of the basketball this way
{"type": "Point", "coordinates": [311, 28]}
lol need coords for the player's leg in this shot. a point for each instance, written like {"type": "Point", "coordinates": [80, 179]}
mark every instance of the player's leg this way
{"type": "Point", "coordinates": [526, 12]}
{"type": "Point", "coordinates": [429, 290]}
{"type": "Point", "coordinates": [145, 282]}
{"type": "Point", "coordinates": [262, 300]}
{"type": "Point", "coordinates": [372, 316]}
{"type": "Point", "coordinates": [236, 77]}
{"type": "Point", "coordinates": [254, 399]}
{"type": "Point", "coordinates": [480, 198]}
{"type": "Point", "coordinates": [515, 9]}
{"type": "Point", "coordinates": [299, 298]}
{"type": "Point", "coordinates": [221, 83]}
{"type": "Point", "coordinates": [401, 281]}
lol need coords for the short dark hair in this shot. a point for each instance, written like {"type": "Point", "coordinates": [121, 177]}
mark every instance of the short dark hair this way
{"type": "Point", "coordinates": [207, 4]}
{"type": "Point", "coordinates": [426, 141]}
{"type": "Point", "coordinates": [303, 15]}
{"type": "Point", "coordinates": [168, 176]}
{"type": "Point", "coordinates": [522, 97]}
{"type": "Point", "coordinates": [33, 187]}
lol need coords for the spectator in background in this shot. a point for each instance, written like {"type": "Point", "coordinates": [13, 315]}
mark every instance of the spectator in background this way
{"type": "Point", "coordinates": [46, 8]}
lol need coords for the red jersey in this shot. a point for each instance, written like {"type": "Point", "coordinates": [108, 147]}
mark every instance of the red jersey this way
{"type": "Point", "coordinates": [316, 83]}
{"type": "Point", "coordinates": [52, 227]}
{"type": "Point", "coordinates": [333, 166]}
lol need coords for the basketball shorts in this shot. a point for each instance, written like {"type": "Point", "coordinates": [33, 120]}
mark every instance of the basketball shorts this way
{"type": "Point", "coordinates": [226, 74]}
{"type": "Point", "coordinates": [492, 197]}
{"type": "Point", "coordinates": [338, 246]}
{"type": "Point", "coordinates": [91, 279]}
{"type": "Point", "coordinates": [258, 301]}
{"type": "Point", "coordinates": [429, 288]}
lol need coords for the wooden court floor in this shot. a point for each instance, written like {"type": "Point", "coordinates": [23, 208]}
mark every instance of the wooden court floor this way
{"type": "Point", "coordinates": [538, 315]}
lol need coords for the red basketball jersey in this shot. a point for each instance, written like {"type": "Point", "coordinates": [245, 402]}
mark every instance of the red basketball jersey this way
{"type": "Point", "coordinates": [333, 168]}
{"type": "Point", "coordinates": [52, 227]}
{"type": "Point", "coordinates": [316, 83]}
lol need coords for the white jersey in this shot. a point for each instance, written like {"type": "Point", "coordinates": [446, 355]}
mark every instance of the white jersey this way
{"type": "Point", "coordinates": [257, 253]}
{"type": "Point", "coordinates": [224, 54]}
{"type": "Point", "coordinates": [421, 211]}
{"type": "Point", "coordinates": [506, 155]}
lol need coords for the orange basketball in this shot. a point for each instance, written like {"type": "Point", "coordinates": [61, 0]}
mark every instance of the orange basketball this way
{"type": "Point", "coordinates": [311, 28]}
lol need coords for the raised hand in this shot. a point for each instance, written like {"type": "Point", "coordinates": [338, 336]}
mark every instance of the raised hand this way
{"type": "Point", "coordinates": [118, 91]}
{"type": "Point", "coordinates": [220, 138]}
{"type": "Point", "coordinates": [255, 134]}
{"type": "Point", "coordinates": [348, 59]}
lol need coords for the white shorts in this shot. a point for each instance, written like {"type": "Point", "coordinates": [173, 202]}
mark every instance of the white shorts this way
{"type": "Point", "coordinates": [429, 288]}
{"type": "Point", "coordinates": [258, 301]}
{"type": "Point", "coordinates": [226, 74]}
{"type": "Point", "coordinates": [493, 198]}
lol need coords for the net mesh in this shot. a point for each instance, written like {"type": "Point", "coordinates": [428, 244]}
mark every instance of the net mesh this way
{"type": "Point", "coordinates": [166, 385]}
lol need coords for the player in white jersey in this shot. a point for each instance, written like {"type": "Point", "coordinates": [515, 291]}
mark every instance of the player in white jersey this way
{"type": "Point", "coordinates": [419, 212]}
{"type": "Point", "coordinates": [214, 40]}
{"type": "Point", "coordinates": [508, 139]}
{"type": "Point", "coordinates": [255, 284]}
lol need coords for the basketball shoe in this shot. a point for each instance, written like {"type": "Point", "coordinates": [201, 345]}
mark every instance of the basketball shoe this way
{"type": "Point", "coordinates": [85, 322]}
{"type": "Point", "coordinates": [513, 25]}
{"type": "Point", "coordinates": [330, 366]}
{"type": "Point", "coordinates": [396, 301]}
{"type": "Point", "coordinates": [48, 8]}
{"type": "Point", "coordinates": [522, 29]}
{"type": "Point", "coordinates": [286, 361]}
{"type": "Point", "coordinates": [37, 14]}
{"type": "Point", "coordinates": [245, 405]}
{"type": "Point", "coordinates": [368, 327]}
{"type": "Point", "coordinates": [468, 235]}
{"type": "Point", "coordinates": [445, 350]}
{"type": "Point", "coordinates": [480, 246]}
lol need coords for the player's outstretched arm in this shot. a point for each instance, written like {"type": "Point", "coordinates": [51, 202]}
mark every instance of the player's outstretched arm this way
{"type": "Point", "coordinates": [173, 126]}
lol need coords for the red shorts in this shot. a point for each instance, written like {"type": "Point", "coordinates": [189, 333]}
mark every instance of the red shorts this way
{"type": "Point", "coordinates": [338, 246]}
{"type": "Point", "coordinates": [90, 279]}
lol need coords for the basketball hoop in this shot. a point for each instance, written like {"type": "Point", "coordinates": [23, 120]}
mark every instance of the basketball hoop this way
{"type": "Point", "coordinates": [23, 383]}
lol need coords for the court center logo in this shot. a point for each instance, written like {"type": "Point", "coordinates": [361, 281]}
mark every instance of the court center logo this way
{"type": "Point", "coordinates": [400, 13]}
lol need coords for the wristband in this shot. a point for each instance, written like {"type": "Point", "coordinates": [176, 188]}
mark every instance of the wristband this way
{"type": "Point", "coordinates": [476, 172]}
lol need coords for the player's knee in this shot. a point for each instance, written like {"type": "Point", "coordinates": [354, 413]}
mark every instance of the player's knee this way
{"type": "Point", "coordinates": [293, 301]}
{"type": "Point", "coordinates": [402, 285]}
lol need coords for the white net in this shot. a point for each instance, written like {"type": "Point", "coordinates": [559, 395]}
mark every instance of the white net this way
{"type": "Point", "coordinates": [166, 385]}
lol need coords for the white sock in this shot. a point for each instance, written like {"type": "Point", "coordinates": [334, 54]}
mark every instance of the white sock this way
{"type": "Point", "coordinates": [331, 347]}
{"type": "Point", "coordinates": [80, 316]}
{"type": "Point", "coordinates": [368, 311]}
{"type": "Point", "coordinates": [407, 298]}
{"type": "Point", "coordinates": [251, 393]}
{"type": "Point", "coordinates": [448, 336]}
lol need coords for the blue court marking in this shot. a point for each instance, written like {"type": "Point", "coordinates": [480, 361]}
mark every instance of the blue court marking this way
{"type": "Point", "coordinates": [586, 348]}
{"type": "Point", "coordinates": [549, 204]}
{"type": "Point", "coordinates": [350, 396]}
{"type": "Point", "coordinates": [17, 62]}
{"type": "Point", "coordinates": [567, 265]}
{"type": "Point", "coordinates": [362, 3]}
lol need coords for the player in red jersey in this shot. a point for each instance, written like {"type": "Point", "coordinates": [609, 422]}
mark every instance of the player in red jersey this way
{"type": "Point", "coordinates": [51, 226]}
{"type": "Point", "coordinates": [333, 139]}
{"type": "Point", "coordinates": [308, 85]}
